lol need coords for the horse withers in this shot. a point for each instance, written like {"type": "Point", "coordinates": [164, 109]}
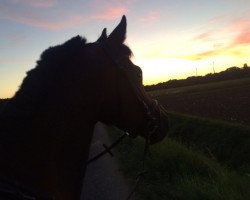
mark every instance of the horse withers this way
{"type": "Point", "coordinates": [46, 128]}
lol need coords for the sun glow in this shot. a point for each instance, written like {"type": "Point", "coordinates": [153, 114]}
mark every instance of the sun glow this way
{"type": "Point", "coordinates": [157, 70]}
{"type": "Point", "coordinates": [162, 69]}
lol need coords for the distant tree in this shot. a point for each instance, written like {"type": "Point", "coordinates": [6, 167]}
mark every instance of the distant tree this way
{"type": "Point", "coordinates": [229, 74]}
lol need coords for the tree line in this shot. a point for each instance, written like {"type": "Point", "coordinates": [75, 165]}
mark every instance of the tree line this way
{"type": "Point", "coordinates": [229, 74]}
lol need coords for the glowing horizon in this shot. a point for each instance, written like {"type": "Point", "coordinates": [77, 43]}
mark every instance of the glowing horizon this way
{"type": "Point", "coordinates": [170, 39]}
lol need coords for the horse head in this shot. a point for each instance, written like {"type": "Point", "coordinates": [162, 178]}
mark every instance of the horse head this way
{"type": "Point", "coordinates": [124, 100]}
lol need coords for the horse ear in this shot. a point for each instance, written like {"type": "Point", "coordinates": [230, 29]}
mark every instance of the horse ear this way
{"type": "Point", "coordinates": [118, 35]}
{"type": "Point", "coordinates": [103, 36]}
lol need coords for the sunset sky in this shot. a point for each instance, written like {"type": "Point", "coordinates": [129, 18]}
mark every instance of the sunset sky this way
{"type": "Point", "coordinates": [170, 39]}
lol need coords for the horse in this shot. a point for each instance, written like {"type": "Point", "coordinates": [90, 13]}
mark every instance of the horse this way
{"type": "Point", "coordinates": [47, 126]}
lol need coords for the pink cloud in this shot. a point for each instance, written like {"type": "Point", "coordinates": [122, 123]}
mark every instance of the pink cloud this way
{"type": "Point", "coordinates": [150, 18]}
{"type": "Point", "coordinates": [203, 36]}
{"type": "Point", "coordinates": [243, 37]}
{"type": "Point", "coordinates": [95, 4]}
{"type": "Point", "coordinates": [37, 20]}
{"type": "Point", "coordinates": [71, 21]}
{"type": "Point", "coordinates": [227, 38]}
{"type": "Point", "coordinates": [35, 3]}
{"type": "Point", "coordinates": [67, 22]}
{"type": "Point", "coordinates": [62, 21]}
{"type": "Point", "coordinates": [242, 27]}
{"type": "Point", "coordinates": [111, 13]}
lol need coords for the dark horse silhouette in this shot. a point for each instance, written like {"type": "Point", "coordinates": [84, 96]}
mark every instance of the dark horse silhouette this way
{"type": "Point", "coordinates": [46, 128]}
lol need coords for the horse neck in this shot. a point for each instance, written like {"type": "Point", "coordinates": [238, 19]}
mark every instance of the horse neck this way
{"type": "Point", "coordinates": [55, 136]}
{"type": "Point", "coordinates": [57, 116]}
{"type": "Point", "coordinates": [58, 104]}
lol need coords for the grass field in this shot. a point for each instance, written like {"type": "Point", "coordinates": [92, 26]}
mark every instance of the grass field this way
{"type": "Point", "coordinates": [204, 158]}
{"type": "Point", "coordinates": [190, 165]}
{"type": "Point", "coordinates": [228, 143]}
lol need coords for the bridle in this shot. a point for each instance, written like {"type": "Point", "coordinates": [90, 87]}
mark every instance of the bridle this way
{"type": "Point", "coordinates": [153, 122]}
{"type": "Point", "coordinates": [151, 109]}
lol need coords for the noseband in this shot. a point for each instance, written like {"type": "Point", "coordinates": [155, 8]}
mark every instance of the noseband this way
{"type": "Point", "coordinates": [151, 109]}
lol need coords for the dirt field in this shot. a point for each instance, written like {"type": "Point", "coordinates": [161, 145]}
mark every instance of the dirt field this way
{"type": "Point", "coordinates": [228, 100]}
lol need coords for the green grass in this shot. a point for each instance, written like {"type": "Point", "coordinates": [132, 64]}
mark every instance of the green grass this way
{"type": "Point", "coordinates": [227, 143]}
{"type": "Point", "coordinates": [201, 160]}
{"type": "Point", "coordinates": [201, 87]}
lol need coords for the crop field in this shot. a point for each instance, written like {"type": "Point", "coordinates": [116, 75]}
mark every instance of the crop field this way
{"type": "Point", "coordinates": [226, 100]}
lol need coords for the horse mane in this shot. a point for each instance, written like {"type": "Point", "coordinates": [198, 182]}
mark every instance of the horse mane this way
{"type": "Point", "coordinates": [62, 51]}
{"type": "Point", "coordinates": [36, 86]}
{"type": "Point", "coordinates": [52, 62]}
{"type": "Point", "coordinates": [124, 50]}
{"type": "Point", "coordinates": [52, 73]}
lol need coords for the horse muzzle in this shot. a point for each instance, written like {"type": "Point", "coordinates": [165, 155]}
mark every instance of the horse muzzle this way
{"type": "Point", "coordinates": [158, 123]}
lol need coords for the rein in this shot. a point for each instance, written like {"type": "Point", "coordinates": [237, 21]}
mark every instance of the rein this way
{"type": "Point", "coordinates": [152, 125]}
{"type": "Point", "coordinates": [114, 144]}
{"type": "Point", "coordinates": [108, 149]}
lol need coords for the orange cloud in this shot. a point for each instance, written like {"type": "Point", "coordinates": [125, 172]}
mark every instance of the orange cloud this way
{"type": "Point", "coordinates": [200, 56]}
{"type": "Point", "coordinates": [205, 55]}
{"type": "Point", "coordinates": [203, 36]}
{"type": "Point", "coordinates": [230, 50]}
